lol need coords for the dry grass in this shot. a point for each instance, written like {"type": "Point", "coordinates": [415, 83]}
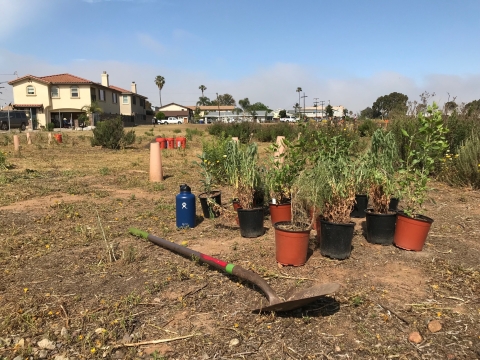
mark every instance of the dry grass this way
{"type": "Point", "coordinates": [56, 271]}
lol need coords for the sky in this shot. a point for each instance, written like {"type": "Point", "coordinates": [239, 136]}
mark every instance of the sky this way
{"type": "Point", "coordinates": [343, 52]}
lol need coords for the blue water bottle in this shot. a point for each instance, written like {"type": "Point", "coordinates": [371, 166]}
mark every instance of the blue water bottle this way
{"type": "Point", "coordinates": [185, 207]}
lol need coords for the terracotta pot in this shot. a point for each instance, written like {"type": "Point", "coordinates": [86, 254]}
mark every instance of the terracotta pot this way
{"type": "Point", "coordinates": [291, 246]}
{"type": "Point", "coordinates": [280, 212]}
{"type": "Point", "coordinates": [411, 233]}
{"type": "Point", "coordinates": [236, 206]}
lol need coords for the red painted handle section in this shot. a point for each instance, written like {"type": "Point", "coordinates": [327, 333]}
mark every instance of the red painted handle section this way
{"type": "Point", "coordinates": [212, 259]}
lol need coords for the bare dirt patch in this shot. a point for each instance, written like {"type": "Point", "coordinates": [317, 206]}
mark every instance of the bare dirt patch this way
{"type": "Point", "coordinates": [81, 281]}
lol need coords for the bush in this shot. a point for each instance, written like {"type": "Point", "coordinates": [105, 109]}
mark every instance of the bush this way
{"type": "Point", "coordinates": [159, 115]}
{"type": "Point", "coordinates": [463, 168]}
{"type": "Point", "coordinates": [367, 127]}
{"type": "Point", "coordinates": [3, 161]}
{"type": "Point", "coordinates": [410, 125]}
{"type": "Point", "coordinates": [246, 131]}
{"type": "Point", "coordinates": [460, 128]}
{"type": "Point", "coordinates": [269, 133]}
{"type": "Point", "coordinates": [110, 134]}
{"type": "Point", "coordinates": [50, 126]}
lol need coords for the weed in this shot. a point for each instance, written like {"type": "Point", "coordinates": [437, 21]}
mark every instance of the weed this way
{"type": "Point", "coordinates": [104, 171]}
{"type": "Point", "coordinates": [177, 131]}
{"type": "Point", "coordinates": [158, 187]}
{"type": "Point", "coordinates": [130, 254]}
{"type": "Point", "coordinates": [357, 300]}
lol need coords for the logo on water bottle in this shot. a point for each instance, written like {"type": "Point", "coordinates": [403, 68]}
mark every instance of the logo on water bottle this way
{"type": "Point", "coordinates": [184, 205]}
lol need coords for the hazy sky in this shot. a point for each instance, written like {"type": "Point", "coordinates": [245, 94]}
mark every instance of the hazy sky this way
{"type": "Point", "coordinates": [346, 52]}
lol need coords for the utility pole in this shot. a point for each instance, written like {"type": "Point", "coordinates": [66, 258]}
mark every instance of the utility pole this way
{"type": "Point", "coordinates": [218, 107]}
{"type": "Point", "coordinates": [303, 97]}
{"type": "Point", "coordinates": [315, 103]}
{"type": "Point", "coordinates": [322, 102]}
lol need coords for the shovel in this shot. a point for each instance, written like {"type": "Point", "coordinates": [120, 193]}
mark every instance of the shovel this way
{"type": "Point", "coordinates": [275, 303]}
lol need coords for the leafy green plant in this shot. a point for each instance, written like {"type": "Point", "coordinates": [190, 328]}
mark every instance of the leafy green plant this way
{"type": "Point", "coordinates": [110, 134]}
{"type": "Point", "coordinates": [3, 161]}
{"type": "Point", "coordinates": [420, 161]}
{"type": "Point", "coordinates": [189, 133]}
{"type": "Point", "coordinates": [50, 126]}
{"type": "Point", "coordinates": [367, 127]}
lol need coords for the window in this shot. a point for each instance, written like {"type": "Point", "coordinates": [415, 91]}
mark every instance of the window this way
{"type": "Point", "coordinates": [74, 92]}
{"type": "Point", "coordinates": [102, 95]}
{"type": "Point", "coordinates": [125, 99]}
{"type": "Point", "coordinates": [114, 98]}
{"type": "Point", "coordinates": [142, 103]}
{"type": "Point", "coordinates": [55, 92]}
{"type": "Point", "coordinates": [30, 90]}
{"type": "Point", "coordinates": [134, 100]}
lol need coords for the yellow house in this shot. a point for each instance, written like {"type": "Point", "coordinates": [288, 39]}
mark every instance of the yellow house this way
{"type": "Point", "coordinates": [61, 97]}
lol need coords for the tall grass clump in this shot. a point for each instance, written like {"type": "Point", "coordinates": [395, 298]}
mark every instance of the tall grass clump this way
{"type": "Point", "coordinates": [463, 168]}
{"type": "Point", "coordinates": [242, 130]}
{"type": "Point", "coordinates": [367, 127]}
{"type": "Point", "coordinates": [189, 133]}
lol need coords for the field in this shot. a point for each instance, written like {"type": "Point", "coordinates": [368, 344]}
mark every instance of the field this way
{"type": "Point", "coordinates": [74, 284]}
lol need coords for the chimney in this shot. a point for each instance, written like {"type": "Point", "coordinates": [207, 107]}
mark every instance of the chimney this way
{"type": "Point", "coordinates": [134, 87]}
{"type": "Point", "coordinates": [105, 79]}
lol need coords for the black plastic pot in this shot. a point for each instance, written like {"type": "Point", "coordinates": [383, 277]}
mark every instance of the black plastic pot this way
{"type": "Point", "coordinates": [361, 204]}
{"type": "Point", "coordinates": [336, 239]}
{"type": "Point", "coordinates": [393, 205]}
{"type": "Point", "coordinates": [208, 212]}
{"type": "Point", "coordinates": [380, 227]}
{"type": "Point", "coordinates": [251, 222]}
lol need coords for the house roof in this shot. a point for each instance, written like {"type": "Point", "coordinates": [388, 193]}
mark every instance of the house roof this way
{"type": "Point", "coordinates": [186, 107]}
{"type": "Point", "coordinates": [212, 107]}
{"type": "Point", "coordinates": [175, 113]}
{"type": "Point", "coordinates": [123, 91]}
{"type": "Point", "coordinates": [28, 105]}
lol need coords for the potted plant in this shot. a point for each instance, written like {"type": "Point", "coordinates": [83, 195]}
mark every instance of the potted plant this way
{"type": "Point", "coordinates": [280, 174]}
{"type": "Point", "coordinates": [241, 165]}
{"type": "Point", "coordinates": [329, 186]}
{"type": "Point", "coordinates": [425, 144]}
{"type": "Point", "coordinates": [210, 200]}
{"type": "Point", "coordinates": [381, 163]}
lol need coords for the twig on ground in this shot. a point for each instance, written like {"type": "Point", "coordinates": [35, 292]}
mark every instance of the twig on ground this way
{"type": "Point", "coordinates": [394, 313]}
{"type": "Point", "coordinates": [194, 291]}
{"type": "Point", "coordinates": [66, 315]}
{"type": "Point", "coordinates": [443, 252]}
{"type": "Point", "coordinates": [158, 341]}
{"type": "Point", "coordinates": [110, 251]}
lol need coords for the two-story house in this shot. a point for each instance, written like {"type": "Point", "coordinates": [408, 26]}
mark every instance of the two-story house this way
{"type": "Point", "coordinates": [56, 97]}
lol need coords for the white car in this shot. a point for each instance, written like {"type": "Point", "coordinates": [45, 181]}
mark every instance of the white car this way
{"type": "Point", "coordinates": [288, 119]}
{"type": "Point", "coordinates": [170, 120]}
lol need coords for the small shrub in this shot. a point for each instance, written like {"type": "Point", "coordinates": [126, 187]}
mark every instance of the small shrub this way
{"type": "Point", "coordinates": [177, 131]}
{"type": "Point", "coordinates": [105, 171]}
{"type": "Point", "coordinates": [367, 127]}
{"type": "Point", "coordinates": [50, 126]}
{"type": "Point", "coordinates": [3, 161]}
{"type": "Point", "coordinates": [191, 132]}
{"type": "Point", "coordinates": [110, 134]}
{"type": "Point", "coordinates": [463, 168]}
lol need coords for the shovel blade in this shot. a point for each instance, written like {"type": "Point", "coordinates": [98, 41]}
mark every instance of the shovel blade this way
{"type": "Point", "coordinates": [301, 298]}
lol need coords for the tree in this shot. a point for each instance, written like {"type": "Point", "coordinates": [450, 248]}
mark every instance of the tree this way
{"type": "Point", "coordinates": [160, 81]}
{"type": "Point", "coordinates": [299, 90]}
{"type": "Point", "coordinates": [204, 101]}
{"type": "Point", "coordinates": [450, 106]}
{"type": "Point", "coordinates": [159, 115]}
{"type": "Point", "coordinates": [387, 103]}
{"type": "Point", "coordinates": [366, 113]}
{"type": "Point", "coordinates": [329, 111]}
{"type": "Point", "coordinates": [345, 113]}
{"type": "Point", "coordinates": [226, 100]}
{"type": "Point", "coordinates": [202, 88]}
{"type": "Point", "coordinates": [258, 106]}
{"type": "Point", "coordinates": [245, 105]}
{"type": "Point", "coordinates": [472, 107]}
{"type": "Point", "coordinates": [282, 114]}
{"type": "Point", "coordinates": [92, 109]}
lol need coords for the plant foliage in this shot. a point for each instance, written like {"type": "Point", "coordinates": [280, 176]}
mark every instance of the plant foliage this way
{"type": "Point", "coordinates": [111, 135]}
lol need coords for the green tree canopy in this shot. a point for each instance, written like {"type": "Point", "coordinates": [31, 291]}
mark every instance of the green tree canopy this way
{"type": "Point", "coordinates": [394, 101]}
{"type": "Point", "coordinates": [282, 114]}
{"type": "Point", "coordinates": [258, 106]}
{"type": "Point", "coordinates": [160, 81]}
{"type": "Point", "coordinates": [366, 113]}
{"type": "Point", "coordinates": [473, 107]}
{"type": "Point", "coordinates": [204, 101]}
{"type": "Point", "coordinates": [329, 111]}
{"type": "Point", "coordinates": [225, 99]}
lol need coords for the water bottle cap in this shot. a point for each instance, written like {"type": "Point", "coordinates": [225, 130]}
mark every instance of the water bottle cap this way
{"type": "Point", "coordinates": [185, 187]}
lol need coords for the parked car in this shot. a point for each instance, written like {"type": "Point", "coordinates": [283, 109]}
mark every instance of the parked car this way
{"type": "Point", "coordinates": [18, 119]}
{"type": "Point", "coordinates": [288, 119]}
{"type": "Point", "coordinates": [170, 120]}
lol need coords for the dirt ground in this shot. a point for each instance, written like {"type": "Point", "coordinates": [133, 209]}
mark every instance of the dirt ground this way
{"type": "Point", "coordinates": [74, 284]}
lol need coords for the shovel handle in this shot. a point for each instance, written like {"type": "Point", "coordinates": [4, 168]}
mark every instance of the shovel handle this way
{"type": "Point", "coordinates": [229, 268]}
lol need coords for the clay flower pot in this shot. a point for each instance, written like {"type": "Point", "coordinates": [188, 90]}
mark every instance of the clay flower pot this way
{"type": "Point", "coordinates": [280, 212]}
{"type": "Point", "coordinates": [291, 246]}
{"type": "Point", "coordinates": [411, 232]}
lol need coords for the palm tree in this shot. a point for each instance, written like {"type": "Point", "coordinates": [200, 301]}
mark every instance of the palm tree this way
{"type": "Point", "coordinates": [202, 88]}
{"type": "Point", "coordinates": [299, 90]}
{"type": "Point", "coordinates": [245, 105]}
{"type": "Point", "coordinates": [92, 109]}
{"type": "Point", "coordinates": [160, 81]}
{"type": "Point", "coordinates": [203, 101]}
